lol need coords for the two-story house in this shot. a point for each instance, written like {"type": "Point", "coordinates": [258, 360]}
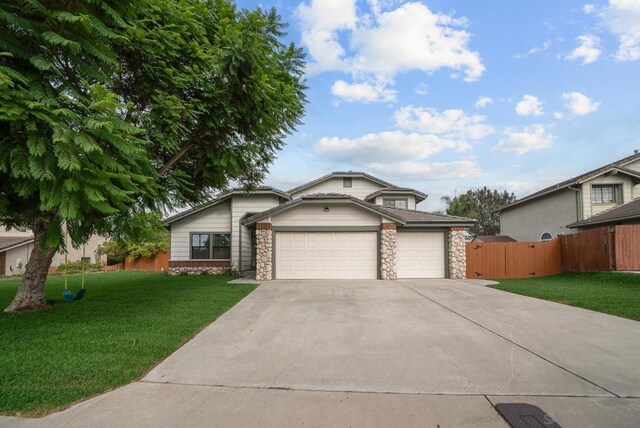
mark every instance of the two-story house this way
{"type": "Point", "coordinates": [341, 225]}
{"type": "Point", "coordinates": [547, 213]}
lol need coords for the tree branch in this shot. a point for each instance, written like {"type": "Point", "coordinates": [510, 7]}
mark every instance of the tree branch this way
{"type": "Point", "coordinates": [175, 158]}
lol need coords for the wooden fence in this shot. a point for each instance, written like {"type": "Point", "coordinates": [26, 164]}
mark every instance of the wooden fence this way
{"type": "Point", "coordinates": [593, 250]}
{"type": "Point", "coordinates": [627, 247]}
{"type": "Point", "coordinates": [497, 260]}
{"type": "Point", "coordinates": [588, 251]}
{"type": "Point", "coordinates": [157, 263]}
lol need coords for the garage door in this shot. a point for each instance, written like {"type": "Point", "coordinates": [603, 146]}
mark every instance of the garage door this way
{"type": "Point", "coordinates": [326, 255]}
{"type": "Point", "coordinates": [420, 255]}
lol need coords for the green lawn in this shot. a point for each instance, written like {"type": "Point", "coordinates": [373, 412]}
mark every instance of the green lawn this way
{"type": "Point", "coordinates": [611, 293]}
{"type": "Point", "coordinates": [126, 324]}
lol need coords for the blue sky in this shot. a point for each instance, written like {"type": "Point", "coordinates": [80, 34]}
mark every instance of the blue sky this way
{"type": "Point", "coordinates": [447, 96]}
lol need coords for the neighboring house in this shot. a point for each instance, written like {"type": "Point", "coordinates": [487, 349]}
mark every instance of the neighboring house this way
{"type": "Point", "coordinates": [628, 213]}
{"type": "Point", "coordinates": [342, 225]}
{"type": "Point", "coordinates": [493, 238]}
{"type": "Point", "coordinates": [546, 213]}
{"type": "Point", "coordinates": [16, 246]}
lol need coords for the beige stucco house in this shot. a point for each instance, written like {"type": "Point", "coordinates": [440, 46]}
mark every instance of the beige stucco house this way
{"type": "Point", "coordinates": [342, 225]}
{"type": "Point", "coordinates": [547, 213]}
{"type": "Point", "coordinates": [16, 246]}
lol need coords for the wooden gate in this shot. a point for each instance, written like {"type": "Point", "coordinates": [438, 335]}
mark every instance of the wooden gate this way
{"type": "Point", "coordinates": [627, 247]}
{"type": "Point", "coordinates": [496, 260]}
{"type": "Point", "coordinates": [588, 251]}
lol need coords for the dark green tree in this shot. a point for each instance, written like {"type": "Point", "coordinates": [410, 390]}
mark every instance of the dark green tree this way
{"type": "Point", "coordinates": [482, 205]}
{"type": "Point", "coordinates": [111, 108]}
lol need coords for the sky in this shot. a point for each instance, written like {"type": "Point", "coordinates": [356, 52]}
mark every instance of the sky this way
{"type": "Point", "coordinates": [445, 96]}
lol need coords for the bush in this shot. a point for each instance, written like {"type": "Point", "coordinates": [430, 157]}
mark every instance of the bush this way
{"type": "Point", "coordinates": [79, 266]}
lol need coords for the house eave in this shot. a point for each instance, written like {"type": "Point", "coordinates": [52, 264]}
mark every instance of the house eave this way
{"type": "Point", "coordinates": [319, 200]}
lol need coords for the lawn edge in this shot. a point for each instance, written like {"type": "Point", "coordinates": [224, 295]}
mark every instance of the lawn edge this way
{"type": "Point", "coordinates": [41, 415]}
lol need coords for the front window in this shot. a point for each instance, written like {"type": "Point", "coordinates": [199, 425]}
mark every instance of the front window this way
{"type": "Point", "coordinates": [604, 194]}
{"type": "Point", "coordinates": [210, 246]}
{"type": "Point", "coordinates": [395, 203]}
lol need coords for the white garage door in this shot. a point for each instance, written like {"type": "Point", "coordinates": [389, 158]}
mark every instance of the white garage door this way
{"type": "Point", "coordinates": [326, 255]}
{"type": "Point", "coordinates": [420, 255]}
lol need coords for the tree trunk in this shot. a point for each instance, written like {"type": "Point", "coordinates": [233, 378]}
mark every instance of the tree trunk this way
{"type": "Point", "coordinates": [30, 295]}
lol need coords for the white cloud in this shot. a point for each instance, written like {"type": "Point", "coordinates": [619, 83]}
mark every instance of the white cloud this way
{"type": "Point", "coordinates": [321, 22]}
{"type": "Point", "coordinates": [529, 106]}
{"type": "Point", "coordinates": [535, 50]}
{"type": "Point", "coordinates": [588, 8]}
{"type": "Point", "coordinates": [392, 146]}
{"type": "Point", "coordinates": [422, 89]}
{"type": "Point", "coordinates": [588, 50]}
{"type": "Point", "coordinates": [527, 139]}
{"type": "Point", "coordinates": [483, 102]}
{"type": "Point", "coordinates": [579, 104]}
{"type": "Point", "coordinates": [363, 92]}
{"type": "Point", "coordinates": [429, 171]}
{"type": "Point", "coordinates": [622, 18]}
{"type": "Point", "coordinates": [449, 123]}
{"type": "Point", "coordinates": [558, 114]}
{"type": "Point", "coordinates": [409, 37]}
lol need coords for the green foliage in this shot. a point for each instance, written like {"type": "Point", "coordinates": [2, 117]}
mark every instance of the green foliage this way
{"type": "Point", "coordinates": [78, 266]}
{"type": "Point", "coordinates": [115, 250]}
{"type": "Point", "coordinates": [481, 205]}
{"type": "Point", "coordinates": [143, 236]}
{"type": "Point", "coordinates": [69, 352]}
{"type": "Point", "coordinates": [109, 109]}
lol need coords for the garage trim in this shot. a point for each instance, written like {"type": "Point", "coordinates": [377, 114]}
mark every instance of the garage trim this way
{"type": "Point", "coordinates": [447, 275]}
{"type": "Point", "coordinates": [276, 229]}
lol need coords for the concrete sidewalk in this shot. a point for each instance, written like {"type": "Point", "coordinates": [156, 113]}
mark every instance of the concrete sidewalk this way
{"type": "Point", "coordinates": [373, 353]}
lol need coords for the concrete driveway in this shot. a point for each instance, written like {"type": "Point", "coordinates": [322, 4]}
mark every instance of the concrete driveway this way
{"type": "Point", "coordinates": [374, 353]}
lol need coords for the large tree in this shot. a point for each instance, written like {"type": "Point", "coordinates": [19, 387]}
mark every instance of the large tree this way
{"type": "Point", "coordinates": [482, 205]}
{"type": "Point", "coordinates": [110, 108]}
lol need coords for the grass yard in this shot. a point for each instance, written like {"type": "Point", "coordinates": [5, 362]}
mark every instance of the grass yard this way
{"type": "Point", "coordinates": [610, 293]}
{"type": "Point", "coordinates": [125, 325]}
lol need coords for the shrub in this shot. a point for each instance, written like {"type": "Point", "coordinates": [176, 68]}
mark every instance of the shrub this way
{"type": "Point", "coordinates": [79, 266]}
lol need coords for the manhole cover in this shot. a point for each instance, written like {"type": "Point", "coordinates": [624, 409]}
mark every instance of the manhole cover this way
{"type": "Point", "coordinates": [522, 415]}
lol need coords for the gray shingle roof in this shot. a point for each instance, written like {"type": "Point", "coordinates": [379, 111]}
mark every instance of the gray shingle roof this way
{"type": "Point", "coordinates": [398, 190]}
{"type": "Point", "coordinates": [403, 216]}
{"type": "Point", "coordinates": [414, 216]}
{"type": "Point", "coordinates": [261, 190]}
{"type": "Point", "coordinates": [625, 212]}
{"type": "Point", "coordinates": [494, 238]}
{"type": "Point", "coordinates": [343, 174]}
{"type": "Point", "coordinates": [617, 165]}
{"type": "Point", "coordinates": [7, 242]}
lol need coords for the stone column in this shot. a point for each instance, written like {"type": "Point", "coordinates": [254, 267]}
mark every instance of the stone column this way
{"type": "Point", "coordinates": [388, 235]}
{"type": "Point", "coordinates": [457, 253]}
{"type": "Point", "coordinates": [264, 252]}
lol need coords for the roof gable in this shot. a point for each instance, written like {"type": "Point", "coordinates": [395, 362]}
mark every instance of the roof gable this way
{"type": "Point", "coordinates": [618, 165]}
{"type": "Point", "coordinates": [404, 217]}
{"type": "Point", "coordinates": [9, 242]}
{"type": "Point", "coordinates": [342, 174]}
{"type": "Point", "coordinates": [263, 190]}
{"type": "Point", "coordinates": [398, 191]}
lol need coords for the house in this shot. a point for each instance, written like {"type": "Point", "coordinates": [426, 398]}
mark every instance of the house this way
{"type": "Point", "coordinates": [341, 225]}
{"type": "Point", "coordinates": [628, 213]}
{"type": "Point", "coordinates": [547, 213]}
{"type": "Point", "coordinates": [16, 246]}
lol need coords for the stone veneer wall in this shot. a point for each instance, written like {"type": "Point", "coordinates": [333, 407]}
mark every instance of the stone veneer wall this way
{"type": "Point", "coordinates": [388, 239]}
{"type": "Point", "coordinates": [197, 267]}
{"type": "Point", "coordinates": [457, 253]}
{"type": "Point", "coordinates": [264, 252]}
